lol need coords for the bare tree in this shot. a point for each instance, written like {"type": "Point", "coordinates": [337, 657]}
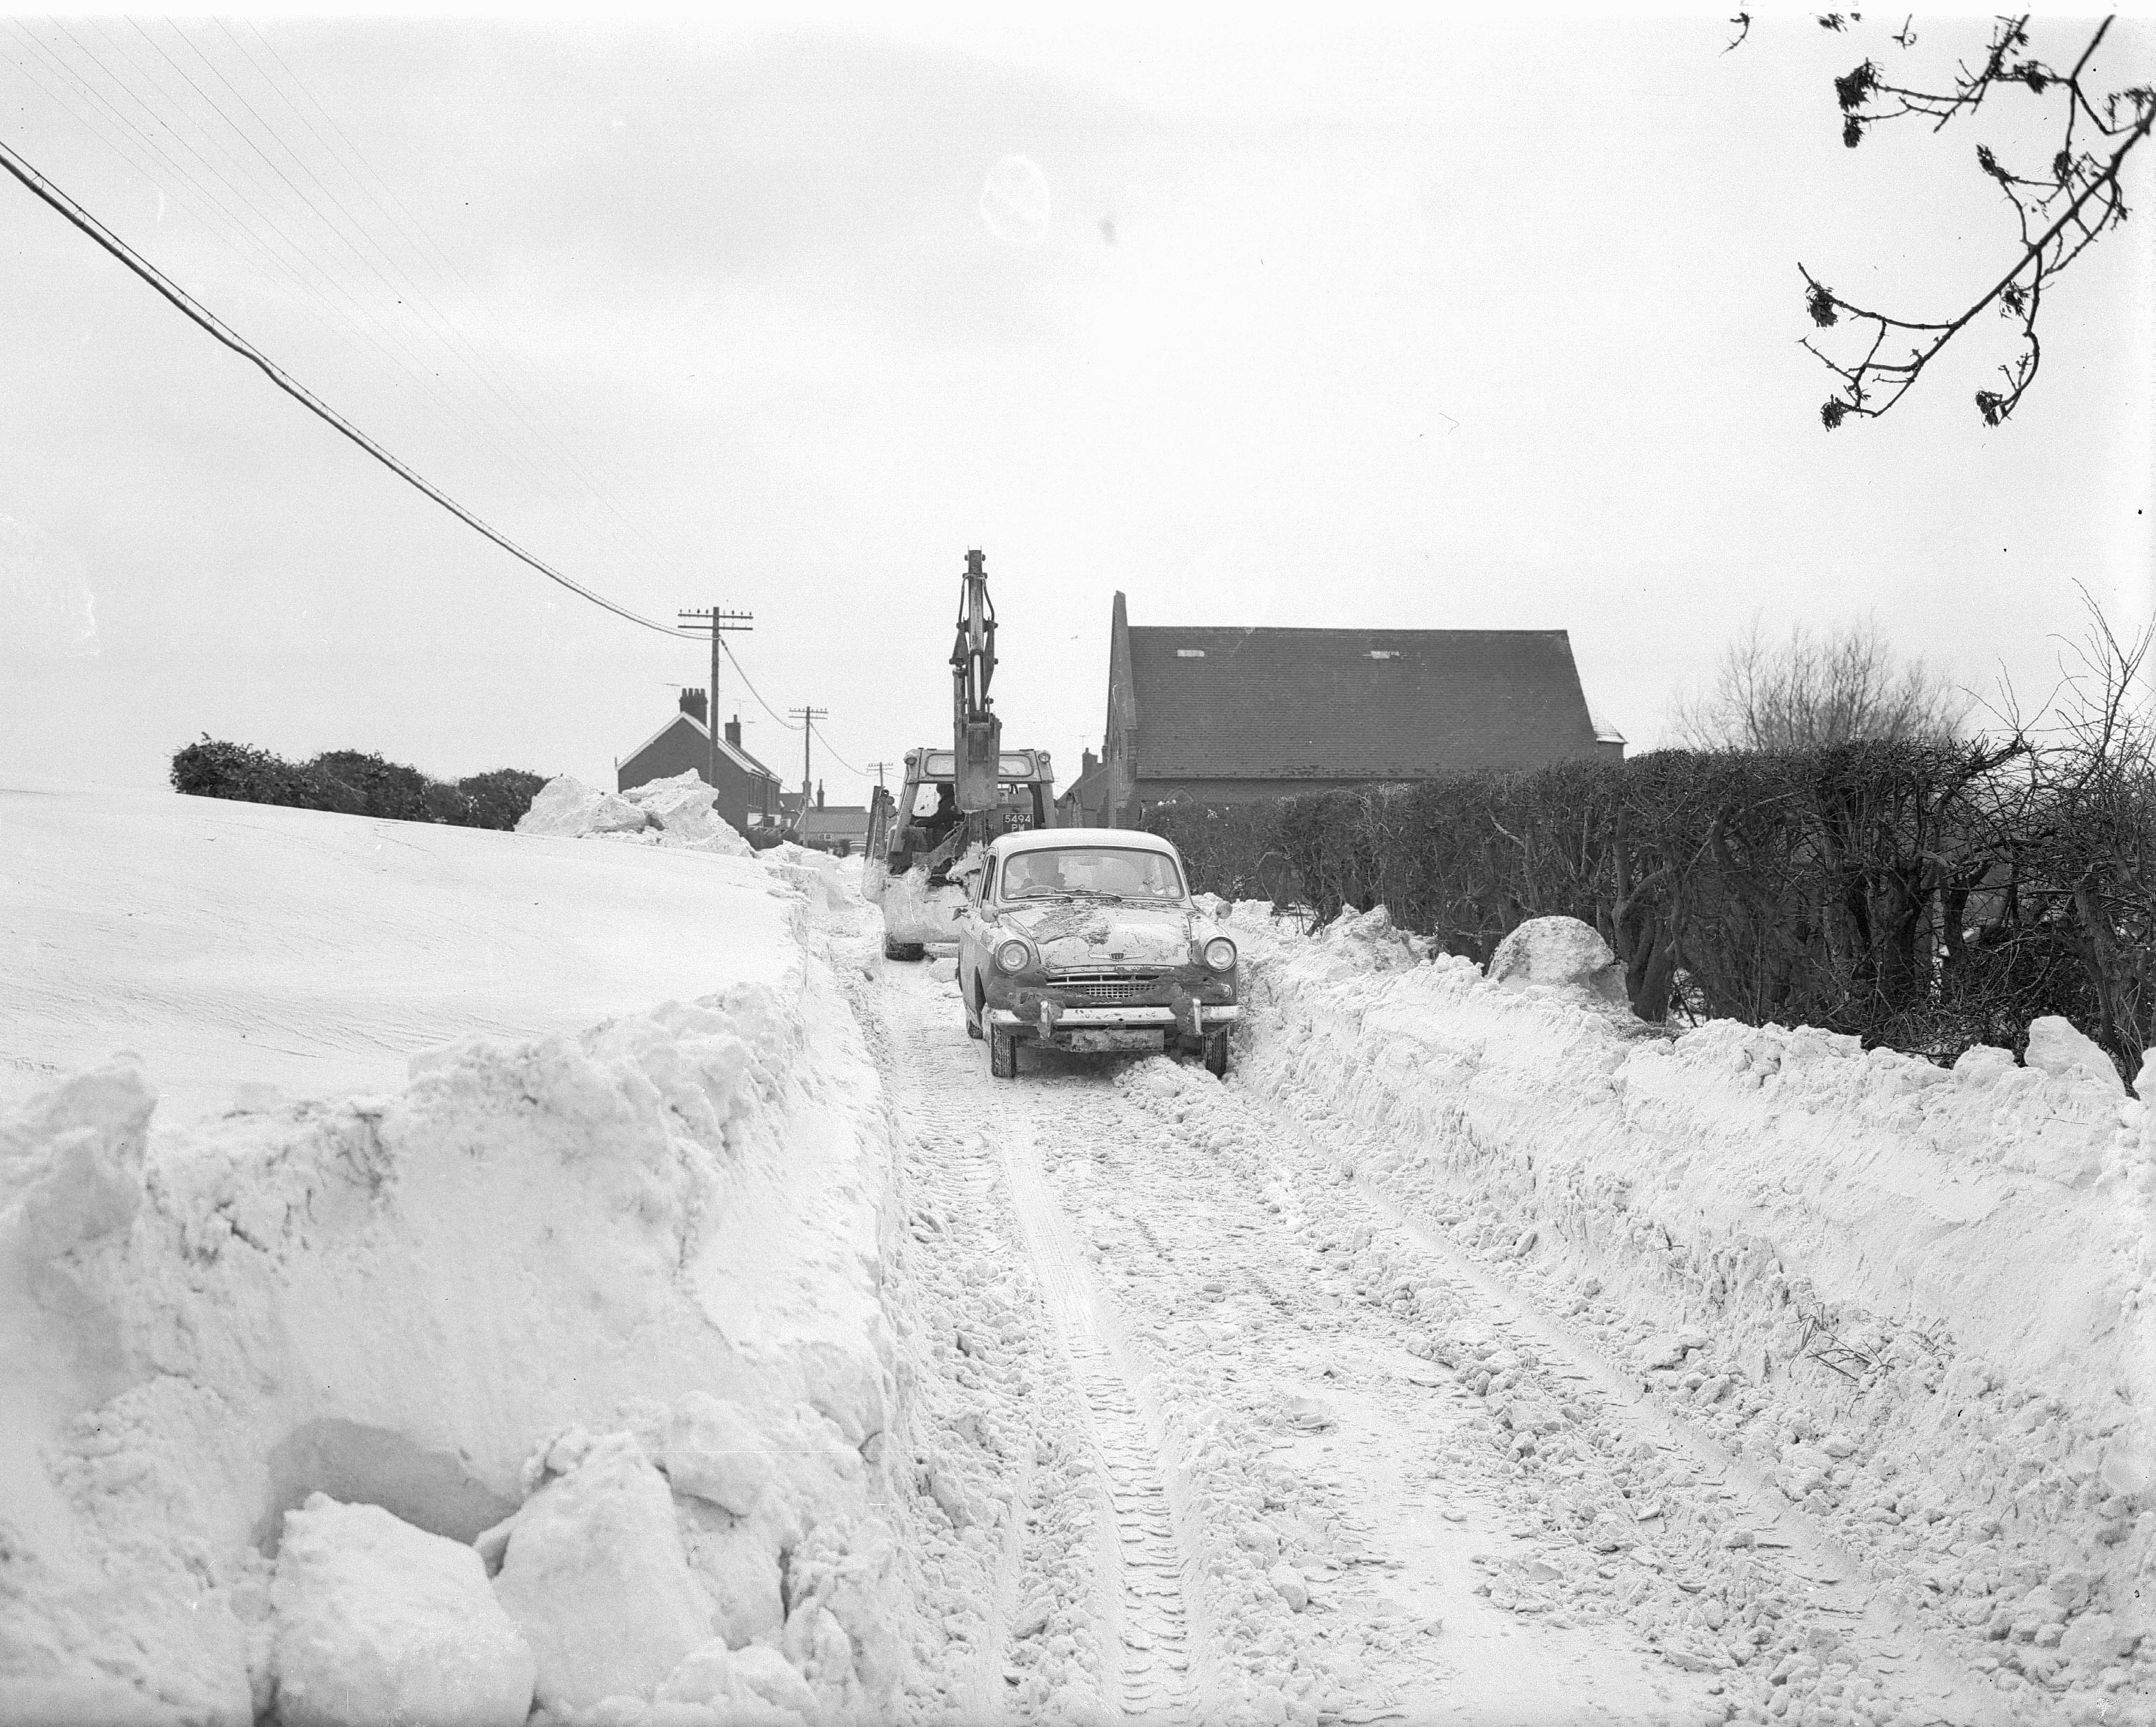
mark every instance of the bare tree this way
{"type": "Point", "coordinates": [2061, 208]}
{"type": "Point", "coordinates": [1816, 690]}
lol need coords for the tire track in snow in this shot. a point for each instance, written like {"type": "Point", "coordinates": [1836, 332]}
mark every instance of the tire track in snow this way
{"type": "Point", "coordinates": [1153, 1676]}
{"type": "Point", "coordinates": [1888, 1639]}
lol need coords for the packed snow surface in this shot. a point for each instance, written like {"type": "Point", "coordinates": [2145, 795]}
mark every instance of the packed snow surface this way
{"type": "Point", "coordinates": [245, 951]}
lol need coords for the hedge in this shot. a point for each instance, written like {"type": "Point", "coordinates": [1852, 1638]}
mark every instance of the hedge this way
{"type": "Point", "coordinates": [1925, 897]}
{"type": "Point", "coordinates": [352, 782]}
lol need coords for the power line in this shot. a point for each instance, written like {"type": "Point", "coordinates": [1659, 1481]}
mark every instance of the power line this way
{"type": "Point", "coordinates": [836, 757]}
{"type": "Point", "coordinates": [439, 264]}
{"type": "Point", "coordinates": [752, 689]}
{"type": "Point", "coordinates": [407, 288]}
{"type": "Point", "coordinates": [179, 297]}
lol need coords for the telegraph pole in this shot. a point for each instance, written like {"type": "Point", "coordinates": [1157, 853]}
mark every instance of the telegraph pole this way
{"type": "Point", "coordinates": [715, 622]}
{"type": "Point", "coordinates": [808, 717]}
{"type": "Point", "coordinates": [877, 768]}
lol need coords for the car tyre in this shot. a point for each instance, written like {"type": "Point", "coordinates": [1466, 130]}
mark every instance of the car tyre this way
{"type": "Point", "coordinates": [1002, 1055]}
{"type": "Point", "coordinates": [903, 950]}
{"type": "Point", "coordinates": [1216, 1054]}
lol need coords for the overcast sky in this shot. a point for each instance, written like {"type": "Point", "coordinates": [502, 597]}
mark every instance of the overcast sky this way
{"type": "Point", "coordinates": [1487, 328]}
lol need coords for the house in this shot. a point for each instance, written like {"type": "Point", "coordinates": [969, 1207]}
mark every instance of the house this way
{"type": "Point", "coordinates": [841, 828]}
{"type": "Point", "coordinates": [749, 791]}
{"type": "Point", "coordinates": [1083, 802]}
{"type": "Point", "coordinates": [1231, 715]}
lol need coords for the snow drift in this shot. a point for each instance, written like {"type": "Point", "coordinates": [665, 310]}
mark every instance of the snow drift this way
{"type": "Point", "coordinates": [605, 1305]}
{"type": "Point", "coordinates": [680, 812]}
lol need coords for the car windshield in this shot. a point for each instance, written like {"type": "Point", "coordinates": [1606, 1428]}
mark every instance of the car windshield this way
{"type": "Point", "coordinates": [1103, 871]}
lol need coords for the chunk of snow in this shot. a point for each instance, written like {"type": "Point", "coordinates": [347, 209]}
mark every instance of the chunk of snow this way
{"type": "Point", "coordinates": [1561, 952]}
{"type": "Point", "coordinates": [569, 809]}
{"type": "Point", "coordinates": [715, 1451]}
{"type": "Point", "coordinates": [755, 1687]}
{"type": "Point", "coordinates": [1287, 1584]}
{"type": "Point", "coordinates": [2058, 1047]}
{"type": "Point", "coordinates": [377, 1621]}
{"type": "Point", "coordinates": [684, 810]}
{"type": "Point", "coordinates": [595, 1578]}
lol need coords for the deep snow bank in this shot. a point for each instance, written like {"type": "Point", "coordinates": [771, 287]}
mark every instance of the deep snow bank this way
{"type": "Point", "coordinates": [1920, 1299]}
{"type": "Point", "coordinates": [605, 1303]}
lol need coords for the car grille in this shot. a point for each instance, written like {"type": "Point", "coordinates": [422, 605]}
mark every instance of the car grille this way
{"type": "Point", "coordinates": [1101, 989]}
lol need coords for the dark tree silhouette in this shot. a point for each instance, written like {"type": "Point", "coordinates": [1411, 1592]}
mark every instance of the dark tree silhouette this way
{"type": "Point", "coordinates": [2061, 208]}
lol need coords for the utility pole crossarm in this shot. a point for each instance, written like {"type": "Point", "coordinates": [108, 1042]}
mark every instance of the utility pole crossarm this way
{"type": "Point", "coordinates": [715, 622]}
{"type": "Point", "coordinates": [808, 717]}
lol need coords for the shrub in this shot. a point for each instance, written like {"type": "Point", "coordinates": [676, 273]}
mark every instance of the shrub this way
{"type": "Point", "coordinates": [1923, 894]}
{"type": "Point", "coordinates": [350, 782]}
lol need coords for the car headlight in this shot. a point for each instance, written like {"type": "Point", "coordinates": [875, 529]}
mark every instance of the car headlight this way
{"type": "Point", "coordinates": [1220, 954]}
{"type": "Point", "coordinates": [1014, 956]}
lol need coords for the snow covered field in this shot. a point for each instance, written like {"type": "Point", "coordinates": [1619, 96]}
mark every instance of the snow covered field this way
{"type": "Point", "coordinates": [232, 945]}
{"type": "Point", "coordinates": [1473, 1354]}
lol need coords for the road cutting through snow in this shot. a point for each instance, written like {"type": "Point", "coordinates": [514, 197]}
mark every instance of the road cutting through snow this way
{"type": "Point", "coordinates": [1309, 1512]}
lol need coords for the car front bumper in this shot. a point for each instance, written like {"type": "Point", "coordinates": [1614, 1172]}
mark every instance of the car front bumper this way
{"type": "Point", "coordinates": [1059, 1026]}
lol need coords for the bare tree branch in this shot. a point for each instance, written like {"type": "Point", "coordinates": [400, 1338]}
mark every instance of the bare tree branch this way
{"type": "Point", "coordinates": [2060, 213]}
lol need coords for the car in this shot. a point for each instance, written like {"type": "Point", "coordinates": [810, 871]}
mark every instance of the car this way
{"type": "Point", "coordinates": [1088, 939]}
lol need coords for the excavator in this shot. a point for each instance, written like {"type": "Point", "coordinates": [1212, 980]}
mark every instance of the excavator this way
{"type": "Point", "coordinates": [924, 845]}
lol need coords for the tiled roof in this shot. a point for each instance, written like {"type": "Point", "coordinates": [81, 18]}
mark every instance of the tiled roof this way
{"type": "Point", "coordinates": [1370, 704]}
{"type": "Point", "coordinates": [834, 821]}
{"type": "Point", "coordinates": [733, 752]}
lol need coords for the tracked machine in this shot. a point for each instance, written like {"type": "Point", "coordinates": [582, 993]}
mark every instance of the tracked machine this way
{"type": "Point", "coordinates": [924, 845]}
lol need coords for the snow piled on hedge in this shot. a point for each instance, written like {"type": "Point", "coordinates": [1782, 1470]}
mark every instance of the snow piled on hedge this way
{"type": "Point", "coordinates": [560, 1375]}
{"type": "Point", "coordinates": [1922, 1301]}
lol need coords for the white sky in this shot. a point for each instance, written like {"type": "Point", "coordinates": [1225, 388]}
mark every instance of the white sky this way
{"type": "Point", "coordinates": [1486, 326]}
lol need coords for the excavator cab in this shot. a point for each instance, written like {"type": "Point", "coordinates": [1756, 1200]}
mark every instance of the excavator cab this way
{"type": "Point", "coordinates": [920, 842]}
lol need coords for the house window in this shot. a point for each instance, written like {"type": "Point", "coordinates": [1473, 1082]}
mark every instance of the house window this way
{"type": "Point", "coordinates": [1385, 653]}
{"type": "Point", "coordinates": [1190, 653]}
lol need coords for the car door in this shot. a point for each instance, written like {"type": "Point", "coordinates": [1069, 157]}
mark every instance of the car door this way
{"type": "Point", "coordinates": [973, 934]}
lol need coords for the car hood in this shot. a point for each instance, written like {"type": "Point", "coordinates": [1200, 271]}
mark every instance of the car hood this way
{"type": "Point", "coordinates": [1075, 935]}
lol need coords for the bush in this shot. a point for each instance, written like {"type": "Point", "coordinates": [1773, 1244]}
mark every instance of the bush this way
{"type": "Point", "coordinates": [499, 798]}
{"type": "Point", "coordinates": [1924, 894]}
{"type": "Point", "coordinates": [350, 782]}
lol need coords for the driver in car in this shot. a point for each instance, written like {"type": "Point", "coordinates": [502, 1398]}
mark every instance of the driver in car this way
{"type": "Point", "coordinates": [1031, 872]}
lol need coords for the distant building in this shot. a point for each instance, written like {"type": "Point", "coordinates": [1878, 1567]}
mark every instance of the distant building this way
{"type": "Point", "coordinates": [1231, 715]}
{"type": "Point", "coordinates": [1083, 804]}
{"type": "Point", "coordinates": [749, 791]}
{"type": "Point", "coordinates": [839, 828]}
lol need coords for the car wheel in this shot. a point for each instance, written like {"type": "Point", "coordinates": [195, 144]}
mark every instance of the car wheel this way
{"type": "Point", "coordinates": [1002, 1055]}
{"type": "Point", "coordinates": [1216, 1054]}
{"type": "Point", "coordinates": [973, 1022]}
{"type": "Point", "coordinates": [903, 950]}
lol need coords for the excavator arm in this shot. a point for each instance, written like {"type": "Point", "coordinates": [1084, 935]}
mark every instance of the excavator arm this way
{"type": "Point", "coordinates": [977, 735]}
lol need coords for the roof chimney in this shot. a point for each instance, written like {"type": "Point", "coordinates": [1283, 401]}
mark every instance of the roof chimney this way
{"type": "Point", "coordinates": [733, 732]}
{"type": "Point", "coordinates": [819, 794]}
{"type": "Point", "coordinates": [692, 704]}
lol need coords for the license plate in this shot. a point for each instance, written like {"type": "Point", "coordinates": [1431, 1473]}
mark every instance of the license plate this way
{"type": "Point", "coordinates": [1095, 1041]}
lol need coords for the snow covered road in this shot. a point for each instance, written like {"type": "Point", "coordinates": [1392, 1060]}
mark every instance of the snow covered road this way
{"type": "Point", "coordinates": [1325, 1466]}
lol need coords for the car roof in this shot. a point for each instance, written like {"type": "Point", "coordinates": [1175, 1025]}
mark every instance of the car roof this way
{"type": "Point", "coordinates": [1055, 839]}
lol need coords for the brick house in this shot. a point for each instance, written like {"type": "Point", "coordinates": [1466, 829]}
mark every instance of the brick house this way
{"type": "Point", "coordinates": [1232, 715]}
{"type": "Point", "coordinates": [1083, 803]}
{"type": "Point", "coordinates": [749, 791]}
